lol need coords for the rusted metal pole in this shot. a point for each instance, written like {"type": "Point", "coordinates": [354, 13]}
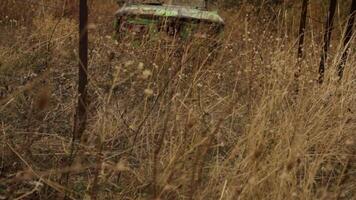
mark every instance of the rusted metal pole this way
{"type": "Point", "coordinates": [327, 37]}
{"type": "Point", "coordinates": [347, 39]}
{"type": "Point", "coordinates": [80, 117]}
{"type": "Point", "coordinates": [81, 111]}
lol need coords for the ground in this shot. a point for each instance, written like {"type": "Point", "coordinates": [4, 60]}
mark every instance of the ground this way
{"type": "Point", "coordinates": [165, 123]}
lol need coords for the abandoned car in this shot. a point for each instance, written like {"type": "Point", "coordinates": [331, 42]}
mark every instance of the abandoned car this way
{"type": "Point", "coordinates": [181, 19]}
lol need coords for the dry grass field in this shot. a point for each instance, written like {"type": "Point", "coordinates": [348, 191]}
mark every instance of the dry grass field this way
{"type": "Point", "coordinates": [165, 123]}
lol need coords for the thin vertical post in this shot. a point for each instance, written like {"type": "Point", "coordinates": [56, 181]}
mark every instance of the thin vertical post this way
{"type": "Point", "coordinates": [327, 38]}
{"type": "Point", "coordinates": [301, 35]}
{"type": "Point", "coordinates": [347, 39]}
{"type": "Point", "coordinates": [80, 117]}
{"type": "Point", "coordinates": [81, 111]}
{"type": "Point", "coordinates": [302, 25]}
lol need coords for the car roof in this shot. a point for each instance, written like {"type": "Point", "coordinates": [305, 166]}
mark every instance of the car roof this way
{"type": "Point", "coordinates": [200, 4]}
{"type": "Point", "coordinates": [170, 11]}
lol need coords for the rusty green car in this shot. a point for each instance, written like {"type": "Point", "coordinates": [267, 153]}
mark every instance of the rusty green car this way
{"type": "Point", "coordinates": [180, 19]}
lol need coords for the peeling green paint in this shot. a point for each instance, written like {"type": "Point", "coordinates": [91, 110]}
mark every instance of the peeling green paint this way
{"type": "Point", "coordinates": [171, 11]}
{"type": "Point", "coordinates": [141, 21]}
{"type": "Point", "coordinates": [187, 30]}
{"type": "Point", "coordinates": [116, 24]}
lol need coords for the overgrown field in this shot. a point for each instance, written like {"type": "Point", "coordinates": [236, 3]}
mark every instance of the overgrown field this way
{"type": "Point", "coordinates": [175, 123]}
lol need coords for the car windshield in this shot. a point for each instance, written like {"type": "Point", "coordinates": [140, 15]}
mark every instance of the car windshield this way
{"type": "Point", "coordinates": [188, 3]}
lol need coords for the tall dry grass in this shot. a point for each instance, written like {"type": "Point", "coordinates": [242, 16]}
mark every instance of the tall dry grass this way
{"type": "Point", "coordinates": [169, 123]}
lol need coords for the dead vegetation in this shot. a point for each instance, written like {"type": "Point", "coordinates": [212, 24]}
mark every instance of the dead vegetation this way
{"type": "Point", "coordinates": [176, 127]}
